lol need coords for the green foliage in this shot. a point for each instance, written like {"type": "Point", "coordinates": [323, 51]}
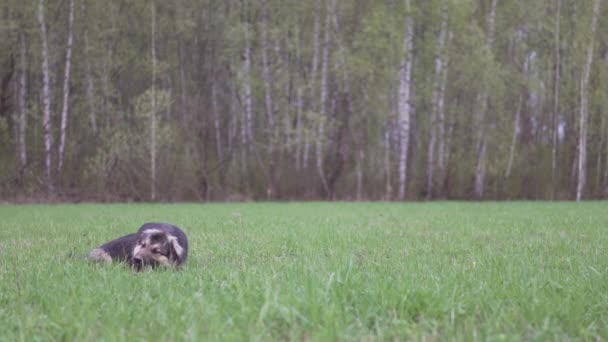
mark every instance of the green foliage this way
{"type": "Point", "coordinates": [124, 155]}
{"type": "Point", "coordinates": [200, 45]}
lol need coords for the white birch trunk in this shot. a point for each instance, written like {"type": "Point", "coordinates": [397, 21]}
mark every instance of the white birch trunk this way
{"type": "Point", "coordinates": [359, 172]}
{"type": "Point", "coordinates": [46, 100]}
{"type": "Point", "coordinates": [556, 87]}
{"type": "Point", "coordinates": [360, 144]}
{"type": "Point", "coordinates": [404, 101]}
{"type": "Point", "coordinates": [313, 79]}
{"type": "Point", "coordinates": [480, 169]}
{"type": "Point", "coordinates": [516, 130]}
{"type": "Point", "coordinates": [105, 83]}
{"type": "Point", "coordinates": [153, 110]}
{"type": "Point", "coordinates": [598, 165]}
{"type": "Point", "coordinates": [21, 145]}
{"type": "Point", "coordinates": [233, 128]}
{"type": "Point", "coordinates": [437, 83]}
{"type": "Point", "coordinates": [298, 105]}
{"type": "Point", "coordinates": [267, 78]}
{"type": "Point", "coordinates": [323, 99]}
{"type": "Point", "coordinates": [582, 145]}
{"type": "Point", "coordinates": [216, 122]}
{"type": "Point", "coordinates": [441, 143]}
{"type": "Point", "coordinates": [605, 181]}
{"type": "Point", "coordinates": [282, 75]}
{"type": "Point", "coordinates": [66, 91]}
{"type": "Point", "coordinates": [387, 161]}
{"type": "Point", "coordinates": [182, 80]}
{"type": "Point", "coordinates": [90, 87]}
{"type": "Point", "coordinates": [243, 145]}
{"type": "Point", "coordinates": [247, 93]}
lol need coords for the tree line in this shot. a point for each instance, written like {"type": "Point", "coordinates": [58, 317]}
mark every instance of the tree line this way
{"type": "Point", "coordinates": [321, 99]}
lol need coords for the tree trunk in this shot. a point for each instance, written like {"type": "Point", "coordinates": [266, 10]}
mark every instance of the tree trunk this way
{"type": "Point", "coordinates": [359, 171]}
{"type": "Point", "coordinates": [441, 143]}
{"type": "Point", "coordinates": [516, 130]}
{"type": "Point", "coordinates": [556, 87]}
{"type": "Point", "coordinates": [247, 94]}
{"type": "Point", "coordinates": [437, 85]}
{"type": "Point", "coordinates": [66, 92]}
{"type": "Point", "coordinates": [480, 169]}
{"type": "Point", "coordinates": [313, 79]}
{"type": "Point", "coordinates": [582, 144]}
{"type": "Point", "coordinates": [283, 76]}
{"type": "Point", "coordinates": [46, 100]}
{"type": "Point", "coordinates": [388, 194]}
{"type": "Point", "coordinates": [359, 136]}
{"type": "Point", "coordinates": [605, 180]}
{"type": "Point", "coordinates": [299, 105]}
{"type": "Point", "coordinates": [21, 143]}
{"type": "Point", "coordinates": [153, 110]}
{"type": "Point", "coordinates": [404, 100]}
{"type": "Point", "coordinates": [216, 122]}
{"type": "Point", "coordinates": [182, 79]}
{"type": "Point", "coordinates": [246, 120]}
{"type": "Point", "coordinates": [269, 109]}
{"type": "Point", "coordinates": [323, 101]}
{"type": "Point", "coordinates": [598, 169]}
{"type": "Point", "coordinates": [89, 79]}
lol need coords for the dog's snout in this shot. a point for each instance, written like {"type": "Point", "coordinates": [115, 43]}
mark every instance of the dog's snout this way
{"type": "Point", "coordinates": [137, 260]}
{"type": "Point", "coordinates": [137, 263]}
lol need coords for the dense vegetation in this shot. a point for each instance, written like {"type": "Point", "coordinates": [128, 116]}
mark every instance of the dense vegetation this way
{"type": "Point", "coordinates": [349, 99]}
{"type": "Point", "coordinates": [315, 271]}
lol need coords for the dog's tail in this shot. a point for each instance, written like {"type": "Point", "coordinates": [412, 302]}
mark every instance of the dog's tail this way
{"type": "Point", "coordinates": [77, 255]}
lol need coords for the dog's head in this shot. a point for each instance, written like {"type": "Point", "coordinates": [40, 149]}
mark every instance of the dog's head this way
{"type": "Point", "coordinates": [156, 247]}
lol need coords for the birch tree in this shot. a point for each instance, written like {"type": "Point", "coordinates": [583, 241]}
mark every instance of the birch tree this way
{"type": "Point", "coordinates": [515, 135]}
{"type": "Point", "coordinates": [480, 169]}
{"type": "Point", "coordinates": [46, 100]}
{"type": "Point", "coordinates": [21, 143]}
{"type": "Point", "coordinates": [216, 121]}
{"type": "Point", "coordinates": [323, 99]}
{"type": "Point", "coordinates": [584, 106]}
{"type": "Point", "coordinates": [441, 127]}
{"type": "Point", "coordinates": [556, 88]}
{"type": "Point", "coordinates": [299, 106]}
{"type": "Point", "coordinates": [246, 124]}
{"type": "Point", "coordinates": [313, 78]}
{"type": "Point", "coordinates": [66, 91]}
{"type": "Point", "coordinates": [269, 108]}
{"type": "Point", "coordinates": [405, 71]}
{"type": "Point", "coordinates": [605, 181]}
{"type": "Point", "coordinates": [342, 64]}
{"type": "Point", "coordinates": [435, 101]}
{"type": "Point", "coordinates": [153, 124]}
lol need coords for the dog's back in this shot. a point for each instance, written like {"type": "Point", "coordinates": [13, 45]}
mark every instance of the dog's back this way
{"type": "Point", "coordinates": [116, 250]}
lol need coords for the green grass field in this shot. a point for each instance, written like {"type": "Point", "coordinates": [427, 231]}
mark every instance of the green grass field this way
{"type": "Point", "coordinates": [312, 271]}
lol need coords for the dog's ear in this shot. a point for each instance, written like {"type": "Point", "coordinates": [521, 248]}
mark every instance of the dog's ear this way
{"type": "Point", "coordinates": [176, 251]}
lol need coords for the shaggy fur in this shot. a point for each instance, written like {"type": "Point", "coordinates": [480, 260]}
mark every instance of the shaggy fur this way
{"type": "Point", "coordinates": [154, 244]}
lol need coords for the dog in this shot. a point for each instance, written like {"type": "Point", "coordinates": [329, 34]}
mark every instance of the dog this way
{"type": "Point", "coordinates": [154, 244]}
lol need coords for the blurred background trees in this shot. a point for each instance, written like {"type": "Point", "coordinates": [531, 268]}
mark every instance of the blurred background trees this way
{"type": "Point", "coordinates": [320, 99]}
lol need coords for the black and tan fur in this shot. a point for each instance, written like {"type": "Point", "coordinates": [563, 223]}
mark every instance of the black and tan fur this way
{"type": "Point", "coordinates": [154, 244]}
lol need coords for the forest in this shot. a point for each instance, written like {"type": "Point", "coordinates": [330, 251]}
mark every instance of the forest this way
{"type": "Point", "coordinates": [230, 100]}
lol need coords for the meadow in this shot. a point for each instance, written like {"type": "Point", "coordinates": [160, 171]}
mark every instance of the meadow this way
{"type": "Point", "coordinates": [312, 271]}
